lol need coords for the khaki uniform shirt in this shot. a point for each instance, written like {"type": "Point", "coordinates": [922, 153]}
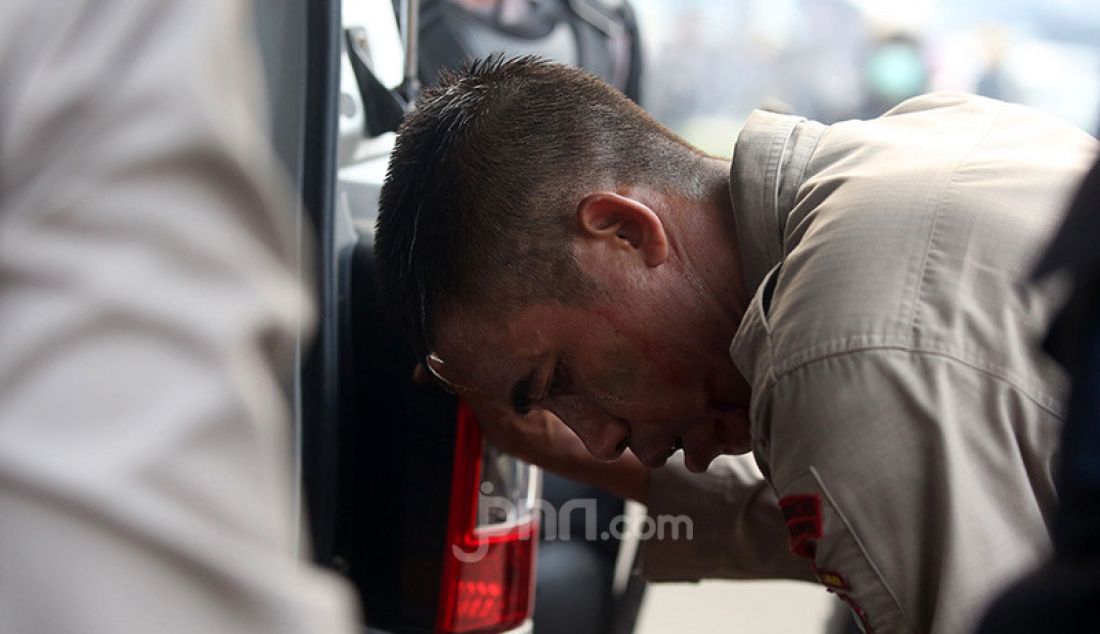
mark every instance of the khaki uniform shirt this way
{"type": "Point", "coordinates": [149, 304]}
{"type": "Point", "coordinates": [903, 417]}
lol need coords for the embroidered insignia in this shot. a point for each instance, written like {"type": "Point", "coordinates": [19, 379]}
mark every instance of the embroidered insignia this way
{"type": "Point", "coordinates": [800, 506]}
{"type": "Point", "coordinates": [802, 514]}
{"type": "Point", "coordinates": [834, 581]}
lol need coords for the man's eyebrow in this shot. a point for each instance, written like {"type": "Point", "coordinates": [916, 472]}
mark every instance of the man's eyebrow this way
{"type": "Point", "coordinates": [521, 393]}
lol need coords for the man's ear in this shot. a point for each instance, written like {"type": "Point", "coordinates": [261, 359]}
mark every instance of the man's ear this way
{"type": "Point", "coordinates": [625, 223]}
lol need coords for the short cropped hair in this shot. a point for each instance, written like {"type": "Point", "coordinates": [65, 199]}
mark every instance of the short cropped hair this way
{"type": "Point", "coordinates": [479, 201]}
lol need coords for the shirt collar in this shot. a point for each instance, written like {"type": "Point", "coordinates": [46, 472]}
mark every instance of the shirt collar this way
{"type": "Point", "coordinates": [769, 159]}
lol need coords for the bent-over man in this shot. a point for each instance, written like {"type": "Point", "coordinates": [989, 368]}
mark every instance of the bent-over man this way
{"type": "Point", "coordinates": [846, 302]}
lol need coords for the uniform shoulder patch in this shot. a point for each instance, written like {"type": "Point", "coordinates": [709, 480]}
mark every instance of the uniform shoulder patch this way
{"type": "Point", "coordinates": [802, 514]}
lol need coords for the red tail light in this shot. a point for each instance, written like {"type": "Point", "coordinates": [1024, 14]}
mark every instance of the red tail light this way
{"type": "Point", "coordinates": [489, 566]}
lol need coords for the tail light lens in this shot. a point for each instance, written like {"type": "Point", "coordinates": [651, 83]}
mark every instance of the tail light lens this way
{"type": "Point", "coordinates": [492, 536]}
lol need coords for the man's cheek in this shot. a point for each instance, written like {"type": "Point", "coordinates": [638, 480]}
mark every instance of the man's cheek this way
{"type": "Point", "coordinates": [615, 389]}
{"type": "Point", "coordinates": [620, 382]}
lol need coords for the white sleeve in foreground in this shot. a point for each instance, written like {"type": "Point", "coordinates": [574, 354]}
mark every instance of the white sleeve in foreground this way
{"type": "Point", "coordinates": [149, 305]}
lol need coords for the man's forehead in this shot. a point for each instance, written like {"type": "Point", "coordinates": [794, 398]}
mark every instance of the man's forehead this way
{"type": "Point", "coordinates": [490, 353]}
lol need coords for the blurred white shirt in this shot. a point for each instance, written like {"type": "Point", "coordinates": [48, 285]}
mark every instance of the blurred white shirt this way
{"type": "Point", "coordinates": [149, 304]}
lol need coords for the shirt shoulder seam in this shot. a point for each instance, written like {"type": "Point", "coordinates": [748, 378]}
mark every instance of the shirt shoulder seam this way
{"type": "Point", "coordinates": [1040, 400]}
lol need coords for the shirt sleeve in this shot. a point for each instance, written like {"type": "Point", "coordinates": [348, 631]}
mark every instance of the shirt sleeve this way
{"type": "Point", "coordinates": [150, 304]}
{"type": "Point", "coordinates": [914, 485]}
{"type": "Point", "coordinates": [731, 526]}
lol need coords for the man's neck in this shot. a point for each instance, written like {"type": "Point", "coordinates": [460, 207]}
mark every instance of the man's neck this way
{"type": "Point", "coordinates": [715, 255]}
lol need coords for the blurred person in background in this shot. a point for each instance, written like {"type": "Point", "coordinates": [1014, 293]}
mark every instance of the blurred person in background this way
{"type": "Point", "coordinates": [149, 302]}
{"type": "Point", "coordinates": [894, 69]}
{"type": "Point", "coordinates": [812, 54]}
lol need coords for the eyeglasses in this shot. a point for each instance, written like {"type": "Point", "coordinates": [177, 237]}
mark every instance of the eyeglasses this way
{"type": "Point", "coordinates": [434, 365]}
